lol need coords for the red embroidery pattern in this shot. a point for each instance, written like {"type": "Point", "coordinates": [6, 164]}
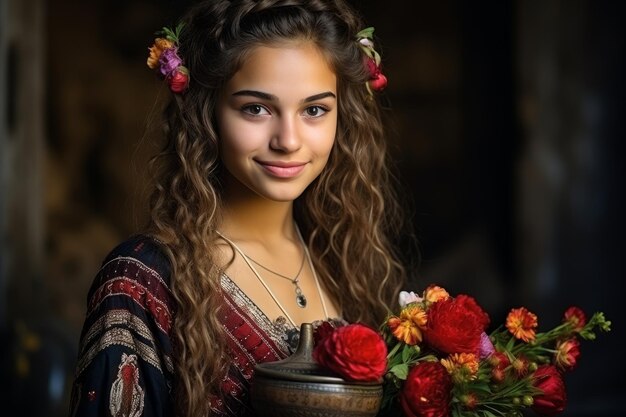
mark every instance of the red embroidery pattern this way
{"type": "Point", "coordinates": [127, 397]}
{"type": "Point", "coordinates": [140, 294]}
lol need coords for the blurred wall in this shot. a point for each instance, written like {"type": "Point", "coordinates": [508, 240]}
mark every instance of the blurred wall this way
{"type": "Point", "coordinates": [504, 124]}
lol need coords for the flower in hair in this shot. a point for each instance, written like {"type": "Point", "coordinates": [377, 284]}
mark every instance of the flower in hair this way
{"type": "Point", "coordinates": [377, 81]}
{"type": "Point", "coordinates": [165, 59]}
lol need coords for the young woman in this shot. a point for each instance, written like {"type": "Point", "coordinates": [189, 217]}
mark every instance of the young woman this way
{"type": "Point", "coordinates": [273, 207]}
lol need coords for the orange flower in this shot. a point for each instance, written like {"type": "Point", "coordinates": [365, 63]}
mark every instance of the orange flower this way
{"type": "Point", "coordinates": [160, 44]}
{"type": "Point", "coordinates": [434, 293]}
{"type": "Point", "coordinates": [408, 327]}
{"type": "Point", "coordinates": [463, 367]}
{"type": "Point", "coordinates": [522, 323]}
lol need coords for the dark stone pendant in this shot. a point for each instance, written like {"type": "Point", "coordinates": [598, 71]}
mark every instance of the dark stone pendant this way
{"type": "Point", "coordinates": [301, 300]}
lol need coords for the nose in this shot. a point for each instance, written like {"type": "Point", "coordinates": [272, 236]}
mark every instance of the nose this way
{"type": "Point", "coordinates": [285, 137]}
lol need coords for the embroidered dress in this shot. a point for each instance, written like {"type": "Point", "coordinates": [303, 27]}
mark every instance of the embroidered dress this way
{"type": "Point", "coordinates": [125, 366]}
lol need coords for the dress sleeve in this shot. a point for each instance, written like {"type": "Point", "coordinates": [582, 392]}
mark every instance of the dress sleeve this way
{"type": "Point", "coordinates": [125, 364]}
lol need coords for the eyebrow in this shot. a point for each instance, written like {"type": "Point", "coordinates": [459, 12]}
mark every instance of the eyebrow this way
{"type": "Point", "coordinates": [271, 97]}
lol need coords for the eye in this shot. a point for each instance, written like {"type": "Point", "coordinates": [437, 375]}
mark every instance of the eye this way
{"type": "Point", "coordinates": [315, 111]}
{"type": "Point", "coordinates": [255, 110]}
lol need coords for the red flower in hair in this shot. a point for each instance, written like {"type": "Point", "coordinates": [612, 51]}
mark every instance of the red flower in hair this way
{"type": "Point", "coordinates": [377, 81]}
{"type": "Point", "coordinates": [179, 80]}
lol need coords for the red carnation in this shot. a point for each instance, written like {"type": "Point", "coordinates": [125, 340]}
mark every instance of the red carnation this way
{"type": "Point", "coordinates": [179, 80]}
{"type": "Point", "coordinates": [548, 379]}
{"type": "Point", "coordinates": [575, 316]}
{"type": "Point", "coordinates": [427, 391]}
{"type": "Point", "coordinates": [355, 352]}
{"type": "Point", "coordinates": [455, 325]}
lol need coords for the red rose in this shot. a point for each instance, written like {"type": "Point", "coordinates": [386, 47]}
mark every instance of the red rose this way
{"type": "Point", "coordinates": [455, 325]}
{"type": "Point", "coordinates": [575, 316]}
{"type": "Point", "coordinates": [427, 391]}
{"type": "Point", "coordinates": [355, 352]}
{"type": "Point", "coordinates": [179, 80]}
{"type": "Point", "coordinates": [548, 379]}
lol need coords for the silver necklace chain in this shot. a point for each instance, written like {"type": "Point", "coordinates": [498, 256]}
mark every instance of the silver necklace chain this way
{"type": "Point", "coordinates": [267, 288]}
{"type": "Point", "coordinates": [300, 297]}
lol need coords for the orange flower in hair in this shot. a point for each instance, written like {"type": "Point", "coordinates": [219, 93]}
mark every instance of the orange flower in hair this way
{"type": "Point", "coordinates": [164, 58]}
{"type": "Point", "coordinates": [160, 45]}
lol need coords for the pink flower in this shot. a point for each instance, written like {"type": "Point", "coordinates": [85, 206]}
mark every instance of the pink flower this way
{"type": "Point", "coordinates": [485, 348]}
{"type": "Point", "coordinates": [169, 61]}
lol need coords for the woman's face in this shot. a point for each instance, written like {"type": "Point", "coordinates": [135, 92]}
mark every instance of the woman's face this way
{"type": "Point", "coordinates": [277, 119]}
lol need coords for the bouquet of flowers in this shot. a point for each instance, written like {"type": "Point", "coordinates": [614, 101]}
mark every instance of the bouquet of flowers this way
{"type": "Point", "coordinates": [436, 359]}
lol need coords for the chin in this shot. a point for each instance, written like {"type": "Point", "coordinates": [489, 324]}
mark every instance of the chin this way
{"type": "Point", "coordinates": [283, 197]}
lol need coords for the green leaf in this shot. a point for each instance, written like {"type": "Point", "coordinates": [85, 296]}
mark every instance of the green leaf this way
{"type": "Point", "coordinates": [366, 33]}
{"type": "Point", "coordinates": [401, 371]}
{"type": "Point", "coordinates": [406, 353]}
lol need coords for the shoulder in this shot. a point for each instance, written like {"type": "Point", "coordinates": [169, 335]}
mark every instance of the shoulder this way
{"type": "Point", "coordinates": [142, 250]}
{"type": "Point", "coordinates": [134, 276]}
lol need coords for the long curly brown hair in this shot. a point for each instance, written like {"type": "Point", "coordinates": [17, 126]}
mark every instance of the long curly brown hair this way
{"type": "Point", "coordinates": [349, 215]}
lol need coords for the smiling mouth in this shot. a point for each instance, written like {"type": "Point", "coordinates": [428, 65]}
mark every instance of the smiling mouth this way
{"type": "Point", "coordinates": [282, 169]}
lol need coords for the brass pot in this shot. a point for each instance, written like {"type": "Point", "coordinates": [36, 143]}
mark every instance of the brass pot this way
{"type": "Point", "coordinates": [298, 387]}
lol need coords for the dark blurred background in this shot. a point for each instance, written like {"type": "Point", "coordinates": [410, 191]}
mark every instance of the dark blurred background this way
{"type": "Point", "coordinates": [506, 125]}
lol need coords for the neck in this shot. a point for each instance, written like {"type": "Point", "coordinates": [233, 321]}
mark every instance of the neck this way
{"type": "Point", "coordinates": [250, 217]}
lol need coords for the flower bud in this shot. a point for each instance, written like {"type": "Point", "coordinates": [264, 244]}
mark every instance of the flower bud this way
{"type": "Point", "coordinates": [527, 400]}
{"type": "Point", "coordinates": [469, 400]}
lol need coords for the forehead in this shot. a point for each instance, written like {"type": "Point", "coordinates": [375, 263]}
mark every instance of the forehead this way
{"type": "Point", "coordinates": [284, 68]}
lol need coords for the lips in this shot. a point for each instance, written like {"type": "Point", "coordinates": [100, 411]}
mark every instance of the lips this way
{"type": "Point", "coordinates": [282, 169]}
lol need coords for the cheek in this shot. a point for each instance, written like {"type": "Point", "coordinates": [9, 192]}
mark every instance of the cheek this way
{"type": "Point", "coordinates": [325, 141]}
{"type": "Point", "coordinates": [239, 139]}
